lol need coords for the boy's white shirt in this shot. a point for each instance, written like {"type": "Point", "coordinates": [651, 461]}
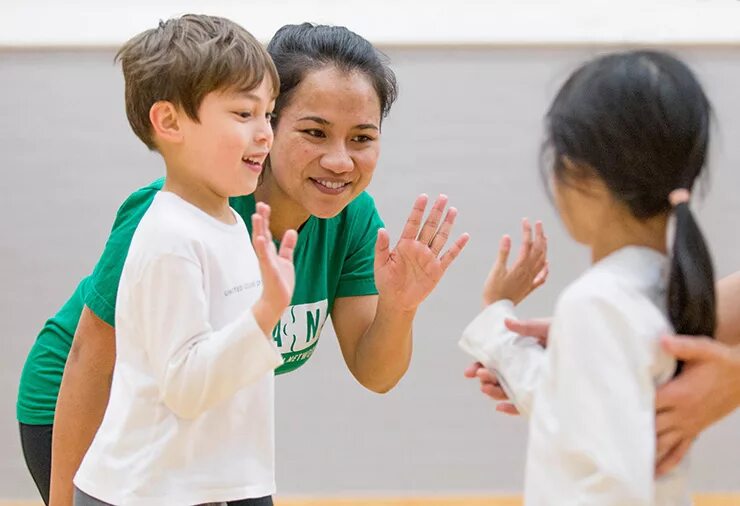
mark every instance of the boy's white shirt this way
{"type": "Point", "coordinates": [191, 413]}
{"type": "Point", "coordinates": [590, 395]}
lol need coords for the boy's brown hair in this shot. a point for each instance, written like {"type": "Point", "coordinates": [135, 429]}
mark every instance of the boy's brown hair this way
{"type": "Point", "coordinates": [183, 59]}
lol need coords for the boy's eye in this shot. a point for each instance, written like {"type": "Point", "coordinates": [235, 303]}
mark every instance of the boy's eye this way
{"type": "Point", "coordinates": [244, 114]}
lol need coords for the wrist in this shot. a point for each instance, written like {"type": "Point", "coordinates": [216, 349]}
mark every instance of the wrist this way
{"type": "Point", "coordinates": [266, 315]}
{"type": "Point", "coordinates": [492, 298]}
{"type": "Point", "coordinates": [388, 307]}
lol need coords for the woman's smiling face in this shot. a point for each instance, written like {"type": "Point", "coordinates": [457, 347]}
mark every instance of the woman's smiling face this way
{"type": "Point", "coordinates": [327, 140]}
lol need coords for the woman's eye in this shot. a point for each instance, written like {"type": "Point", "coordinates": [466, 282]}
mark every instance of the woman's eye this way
{"type": "Point", "coordinates": [362, 138]}
{"type": "Point", "coordinates": [244, 114]}
{"type": "Point", "coordinates": [270, 116]}
{"type": "Point", "coordinates": [314, 133]}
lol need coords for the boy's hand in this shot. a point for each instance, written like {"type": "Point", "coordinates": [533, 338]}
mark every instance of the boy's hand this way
{"type": "Point", "coordinates": [278, 274]}
{"type": "Point", "coordinates": [528, 272]}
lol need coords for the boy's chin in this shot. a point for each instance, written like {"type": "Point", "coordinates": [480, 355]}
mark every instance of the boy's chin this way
{"type": "Point", "coordinates": [245, 188]}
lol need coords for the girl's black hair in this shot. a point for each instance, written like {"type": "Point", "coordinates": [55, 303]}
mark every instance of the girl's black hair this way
{"type": "Point", "coordinates": [640, 121]}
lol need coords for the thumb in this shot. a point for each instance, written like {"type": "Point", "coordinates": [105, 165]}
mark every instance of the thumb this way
{"type": "Point", "coordinates": [382, 248]}
{"type": "Point", "coordinates": [690, 347]}
{"type": "Point", "coordinates": [504, 247]}
{"type": "Point", "coordinates": [529, 328]}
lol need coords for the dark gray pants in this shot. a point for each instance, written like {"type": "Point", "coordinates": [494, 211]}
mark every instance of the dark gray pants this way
{"type": "Point", "coordinates": [82, 499]}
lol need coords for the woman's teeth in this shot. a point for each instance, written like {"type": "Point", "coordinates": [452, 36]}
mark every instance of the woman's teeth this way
{"type": "Point", "coordinates": [334, 185]}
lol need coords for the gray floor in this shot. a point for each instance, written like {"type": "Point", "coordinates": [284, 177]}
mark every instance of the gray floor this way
{"type": "Point", "coordinates": [467, 124]}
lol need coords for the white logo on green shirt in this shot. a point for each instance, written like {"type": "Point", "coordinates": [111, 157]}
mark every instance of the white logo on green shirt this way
{"type": "Point", "coordinates": [300, 326]}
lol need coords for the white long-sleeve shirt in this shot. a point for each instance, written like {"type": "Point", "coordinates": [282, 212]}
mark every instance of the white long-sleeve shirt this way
{"type": "Point", "coordinates": [191, 410]}
{"type": "Point", "coordinates": [590, 395]}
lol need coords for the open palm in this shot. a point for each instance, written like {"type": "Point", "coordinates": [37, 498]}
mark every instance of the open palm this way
{"type": "Point", "coordinates": [409, 272]}
{"type": "Point", "coordinates": [276, 267]}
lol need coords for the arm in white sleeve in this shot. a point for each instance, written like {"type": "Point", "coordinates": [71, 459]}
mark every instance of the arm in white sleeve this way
{"type": "Point", "coordinates": [602, 395]}
{"type": "Point", "coordinates": [196, 366]}
{"type": "Point", "coordinates": [516, 360]}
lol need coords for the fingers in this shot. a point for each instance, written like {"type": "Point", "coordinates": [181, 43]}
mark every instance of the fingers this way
{"type": "Point", "coordinates": [526, 246]}
{"type": "Point", "coordinates": [540, 279]}
{"type": "Point", "coordinates": [440, 238]}
{"type": "Point", "coordinates": [539, 246]}
{"type": "Point", "coordinates": [260, 248]}
{"type": "Point", "coordinates": [666, 443]}
{"type": "Point", "coordinates": [263, 210]}
{"type": "Point", "coordinates": [472, 370]}
{"type": "Point", "coordinates": [530, 328]}
{"type": "Point", "coordinates": [507, 408]}
{"type": "Point", "coordinates": [490, 385]}
{"type": "Point", "coordinates": [382, 248]}
{"type": "Point", "coordinates": [665, 399]}
{"type": "Point", "coordinates": [411, 228]}
{"type": "Point", "coordinates": [257, 221]}
{"type": "Point", "coordinates": [504, 248]}
{"type": "Point", "coordinates": [664, 422]}
{"type": "Point", "coordinates": [454, 251]}
{"type": "Point", "coordinates": [494, 392]}
{"type": "Point", "coordinates": [429, 229]}
{"type": "Point", "coordinates": [691, 347]}
{"type": "Point", "coordinates": [673, 457]}
{"type": "Point", "coordinates": [287, 245]}
{"type": "Point", "coordinates": [265, 251]}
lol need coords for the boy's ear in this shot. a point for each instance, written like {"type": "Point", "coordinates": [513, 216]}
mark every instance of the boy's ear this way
{"type": "Point", "coordinates": [165, 120]}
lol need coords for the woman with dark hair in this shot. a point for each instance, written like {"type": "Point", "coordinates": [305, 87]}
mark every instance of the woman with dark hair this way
{"type": "Point", "coordinates": [628, 136]}
{"type": "Point", "coordinates": [336, 88]}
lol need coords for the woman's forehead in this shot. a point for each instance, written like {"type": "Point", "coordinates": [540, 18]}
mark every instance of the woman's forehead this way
{"type": "Point", "coordinates": [335, 90]}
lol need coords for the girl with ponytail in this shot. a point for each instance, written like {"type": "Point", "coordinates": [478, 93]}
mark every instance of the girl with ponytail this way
{"type": "Point", "coordinates": [626, 140]}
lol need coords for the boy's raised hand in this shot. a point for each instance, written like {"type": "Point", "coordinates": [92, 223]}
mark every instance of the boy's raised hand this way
{"type": "Point", "coordinates": [276, 267]}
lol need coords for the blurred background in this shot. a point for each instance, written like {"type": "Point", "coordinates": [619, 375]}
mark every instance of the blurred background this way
{"type": "Point", "coordinates": [475, 80]}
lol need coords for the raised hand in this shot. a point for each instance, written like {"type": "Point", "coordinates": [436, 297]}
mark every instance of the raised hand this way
{"type": "Point", "coordinates": [276, 267]}
{"type": "Point", "coordinates": [529, 271]}
{"type": "Point", "coordinates": [409, 272]}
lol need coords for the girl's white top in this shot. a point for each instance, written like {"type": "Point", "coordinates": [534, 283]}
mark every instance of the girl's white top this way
{"type": "Point", "coordinates": [590, 396]}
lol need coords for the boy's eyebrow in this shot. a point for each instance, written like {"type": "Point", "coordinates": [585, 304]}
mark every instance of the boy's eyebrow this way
{"type": "Point", "coordinates": [251, 96]}
{"type": "Point", "coordinates": [322, 121]}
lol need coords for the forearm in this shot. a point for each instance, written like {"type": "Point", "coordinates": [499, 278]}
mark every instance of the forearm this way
{"type": "Point", "coordinates": [241, 350]}
{"type": "Point", "coordinates": [516, 360]}
{"type": "Point", "coordinates": [383, 353]}
{"type": "Point", "coordinates": [83, 398]}
{"type": "Point", "coordinates": [733, 385]}
{"type": "Point", "coordinates": [728, 309]}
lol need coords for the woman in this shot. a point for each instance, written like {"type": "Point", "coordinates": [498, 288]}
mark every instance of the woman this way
{"type": "Point", "coordinates": [335, 90]}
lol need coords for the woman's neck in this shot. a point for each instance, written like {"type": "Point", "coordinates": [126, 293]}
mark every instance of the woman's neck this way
{"type": "Point", "coordinates": [629, 231]}
{"type": "Point", "coordinates": [285, 213]}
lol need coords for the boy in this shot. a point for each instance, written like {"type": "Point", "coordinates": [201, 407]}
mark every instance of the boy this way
{"type": "Point", "coordinates": [190, 416]}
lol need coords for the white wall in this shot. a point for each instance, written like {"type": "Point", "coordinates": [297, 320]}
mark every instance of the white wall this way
{"type": "Point", "coordinates": [73, 23]}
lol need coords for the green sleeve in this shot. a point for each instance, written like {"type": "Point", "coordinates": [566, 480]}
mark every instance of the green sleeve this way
{"type": "Point", "coordinates": [358, 275]}
{"type": "Point", "coordinates": [102, 287]}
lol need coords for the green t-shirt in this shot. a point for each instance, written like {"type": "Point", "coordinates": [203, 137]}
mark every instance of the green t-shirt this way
{"type": "Point", "coordinates": [333, 258]}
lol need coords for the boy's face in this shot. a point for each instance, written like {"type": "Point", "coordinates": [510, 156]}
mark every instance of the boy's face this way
{"type": "Point", "coordinates": [226, 149]}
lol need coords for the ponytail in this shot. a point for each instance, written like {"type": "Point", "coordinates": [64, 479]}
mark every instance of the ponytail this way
{"type": "Point", "coordinates": [691, 296]}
